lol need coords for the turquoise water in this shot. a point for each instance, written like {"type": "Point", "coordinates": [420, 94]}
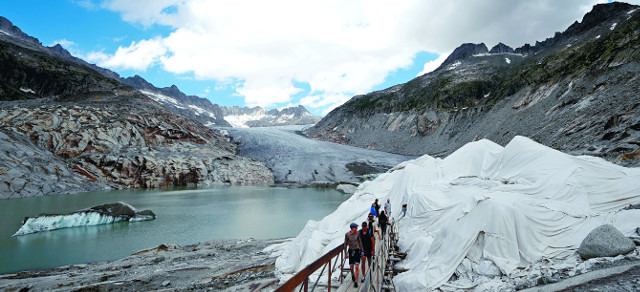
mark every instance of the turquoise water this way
{"type": "Point", "coordinates": [184, 217]}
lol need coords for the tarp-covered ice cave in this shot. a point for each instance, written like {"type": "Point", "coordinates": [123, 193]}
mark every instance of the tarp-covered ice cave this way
{"type": "Point", "coordinates": [517, 208]}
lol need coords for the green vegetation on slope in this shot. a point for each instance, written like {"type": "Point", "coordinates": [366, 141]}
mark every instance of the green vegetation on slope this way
{"type": "Point", "coordinates": [444, 93]}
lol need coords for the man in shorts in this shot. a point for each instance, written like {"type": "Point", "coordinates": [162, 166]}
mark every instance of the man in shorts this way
{"type": "Point", "coordinates": [367, 240]}
{"type": "Point", "coordinates": [354, 244]}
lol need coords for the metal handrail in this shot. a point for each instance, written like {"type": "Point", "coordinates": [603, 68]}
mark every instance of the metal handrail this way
{"type": "Point", "coordinates": [379, 263]}
{"type": "Point", "coordinates": [302, 277]}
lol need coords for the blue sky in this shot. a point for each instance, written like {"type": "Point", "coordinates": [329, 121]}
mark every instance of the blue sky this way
{"type": "Point", "coordinates": [282, 52]}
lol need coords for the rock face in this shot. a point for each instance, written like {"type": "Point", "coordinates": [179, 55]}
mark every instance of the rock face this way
{"type": "Point", "coordinates": [113, 145]}
{"type": "Point", "coordinates": [575, 92]}
{"type": "Point", "coordinates": [605, 241]}
{"type": "Point", "coordinates": [66, 127]}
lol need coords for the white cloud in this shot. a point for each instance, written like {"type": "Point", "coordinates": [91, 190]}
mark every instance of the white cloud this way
{"type": "Point", "coordinates": [327, 101]}
{"type": "Point", "coordinates": [340, 48]}
{"type": "Point", "coordinates": [67, 44]}
{"type": "Point", "coordinates": [137, 56]}
{"type": "Point", "coordinates": [87, 4]}
{"type": "Point", "coordinates": [433, 65]}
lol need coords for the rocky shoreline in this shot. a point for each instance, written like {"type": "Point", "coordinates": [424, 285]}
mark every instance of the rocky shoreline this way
{"type": "Point", "coordinates": [237, 265]}
{"type": "Point", "coordinates": [248, 265]}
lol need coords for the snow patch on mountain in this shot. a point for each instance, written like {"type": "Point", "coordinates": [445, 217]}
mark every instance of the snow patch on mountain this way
{"type": "Point", "coordinates": [161, 98]}
{"type": "Point", "coordinates": [243, 117]}
{"type": "Point", "coordinates": [240, 121]}
{"type": "Point", "coordinates": [27, 90]}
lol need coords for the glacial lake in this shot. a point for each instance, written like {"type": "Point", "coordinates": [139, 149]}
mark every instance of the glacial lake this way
{"type": "Point", "coordinates": [183, 217]}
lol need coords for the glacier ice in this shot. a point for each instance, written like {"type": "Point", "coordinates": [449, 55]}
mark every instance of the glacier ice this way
{"type": "Point", "coordinates": [96, 215]}
{"type": "Point", "coordinates": [520, 207]}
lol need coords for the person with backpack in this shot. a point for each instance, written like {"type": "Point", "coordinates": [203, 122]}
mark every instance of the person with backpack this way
{"type": "Point", "coordinates": [367, 240]}
{"type": "Point", "coordinates": [383, 221]}
{"type": "Point", "coordinates": [377, 207]}
{"type": "Point", "coordinates": [353, 243]}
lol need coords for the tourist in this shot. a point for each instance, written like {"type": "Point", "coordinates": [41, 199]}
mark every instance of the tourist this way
{"type": "Point", "coordinates": [404, 210]}
{"type": "Point", "coordinates": [372, 227]}
{"type": "Point", "coordinates": [377, 207]}
{"type": "Point", "coordinates": [353, 243]}
{"type": "Point", "coordinates": [383, 221]}
{"type": "Point", "coordinates": [387, 208]}
{"type": "Point", "coordinates": [373, 210]}
{"type": "Point", "coordinates": [367, 240]}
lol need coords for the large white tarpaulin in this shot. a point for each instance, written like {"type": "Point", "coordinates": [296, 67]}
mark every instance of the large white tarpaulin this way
{"type": "Point", "coordinates": [514, 206]}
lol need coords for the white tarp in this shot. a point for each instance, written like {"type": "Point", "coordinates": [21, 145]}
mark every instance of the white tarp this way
{"type": "Point", "coordinates": [512, 205]}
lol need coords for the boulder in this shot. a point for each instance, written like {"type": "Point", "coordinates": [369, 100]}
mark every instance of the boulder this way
{"type": "Point", "coordinates": [605, 241]}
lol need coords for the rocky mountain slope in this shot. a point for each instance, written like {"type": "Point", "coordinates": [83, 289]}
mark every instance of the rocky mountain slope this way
{"type": "Point", "coordinates": [66, 127]}
{"type": "Point", "coordinates": [197, 108]}
{"type": "Point", "coordinates": [576, 92]}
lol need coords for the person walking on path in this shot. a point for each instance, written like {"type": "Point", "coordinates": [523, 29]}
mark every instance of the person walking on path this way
{"type": "Point", "coordinates": [377, 207]}
{"type": "Point", "coordinates": [404, 210]}
{"type": "Point", "coordinates": [383, 221]}
{"type": "Point", "coordinates": [373, 229]}
{"type": "Point", "coordinates": [367, 247]}
{"type": "Point", "coordinates": [373, 210]}
{"type": "Point", "coordinates": [354, 244]}
{"type": "Point", "coordinates": [387, 208]}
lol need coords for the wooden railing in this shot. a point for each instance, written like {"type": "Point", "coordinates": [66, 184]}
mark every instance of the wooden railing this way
{"type": "Point", "coordinates": [302, 277]}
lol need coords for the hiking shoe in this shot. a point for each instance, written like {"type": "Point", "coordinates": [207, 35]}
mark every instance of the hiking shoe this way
{"type": "Point", "coordinates": [362, 281]}
{"type": "Point", "coordinates": [355, 284]}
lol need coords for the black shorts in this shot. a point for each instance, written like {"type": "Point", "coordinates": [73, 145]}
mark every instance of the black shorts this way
{"type": "Point", "coordinates": [354, 256]}
{"type": "Point", "coordinates": [367, 253]}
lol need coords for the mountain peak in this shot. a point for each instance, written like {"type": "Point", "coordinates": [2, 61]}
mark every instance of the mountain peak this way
{"type": "Point", "coordinates": [465, 51]}
{"type": "Point", "coordinates": [500, 48]}
{"type": "Point", "coordinates": [60, 50]}
{"type": "Point", "coordinates": [7, 26]}
{"type": "Point", "coordinates": [602, 12]}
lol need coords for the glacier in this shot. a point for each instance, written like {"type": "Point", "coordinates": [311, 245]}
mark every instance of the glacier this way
{"type": "Point", "coordinates": [523, 208]}
{"type": "Point", "coordinates": [96, 215]}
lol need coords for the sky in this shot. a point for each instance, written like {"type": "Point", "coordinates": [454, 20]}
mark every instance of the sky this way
{"type": "Point", "coordinates": [280, 53]}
